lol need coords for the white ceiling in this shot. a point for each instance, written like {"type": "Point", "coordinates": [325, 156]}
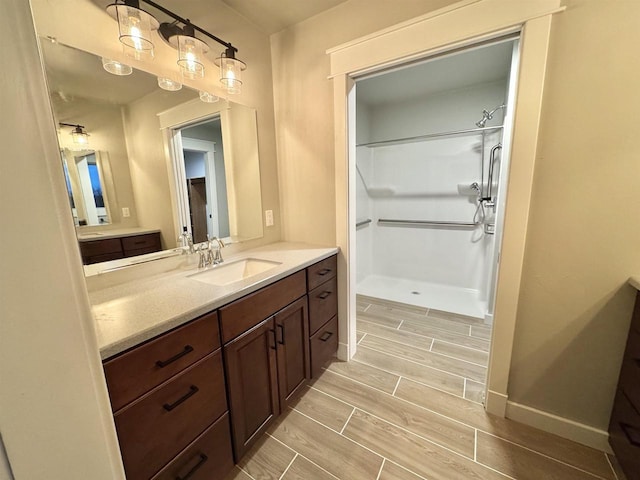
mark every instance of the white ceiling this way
{"type": "Point", "coordinates": [452, 72]}
{"type": "Point", "coordinates": [274, 15]}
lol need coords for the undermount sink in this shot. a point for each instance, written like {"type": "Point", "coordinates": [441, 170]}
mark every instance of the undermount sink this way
{"type": "Point", "coordinates": [231, 272]}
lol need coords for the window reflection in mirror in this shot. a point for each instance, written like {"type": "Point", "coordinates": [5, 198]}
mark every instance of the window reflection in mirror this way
{"type": "Point", "coordinates": [86, 186]}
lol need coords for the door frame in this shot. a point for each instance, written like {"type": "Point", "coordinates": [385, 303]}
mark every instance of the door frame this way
{"type": "Point", "coordinates": [459, 25]}
{"type": "Point", "coordinates": [209, 149]}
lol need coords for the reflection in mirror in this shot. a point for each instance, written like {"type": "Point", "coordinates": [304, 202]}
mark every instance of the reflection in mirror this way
{"type": "Point", "coordinates": [121, 184]}
{"type": "Point", "coordinates": [83, 170]}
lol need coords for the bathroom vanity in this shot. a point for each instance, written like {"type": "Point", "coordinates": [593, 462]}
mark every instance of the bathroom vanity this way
{"type": "Point", "coordinates": [112, 245]}
{"type": "Point", "coordinates": [194, 389]}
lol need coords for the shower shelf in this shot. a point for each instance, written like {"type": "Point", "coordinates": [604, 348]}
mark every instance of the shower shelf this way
{"type": "Point", "coordinates": [418, 138]}
{"type": "Point", "coordinates": [424, 223]}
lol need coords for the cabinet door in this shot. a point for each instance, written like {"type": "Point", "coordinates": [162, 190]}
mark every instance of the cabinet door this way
{"type": "Point", "coordinates": [292, 334]}
{"type": "Point", "coordinates": [252, 384]}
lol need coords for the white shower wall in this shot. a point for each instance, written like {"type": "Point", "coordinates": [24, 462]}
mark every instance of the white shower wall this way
{"type": "Point", "coordinates": [419, 181]}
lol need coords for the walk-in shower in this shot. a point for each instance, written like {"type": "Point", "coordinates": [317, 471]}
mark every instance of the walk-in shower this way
{"type": "Point", "coordinates": [428, 180]}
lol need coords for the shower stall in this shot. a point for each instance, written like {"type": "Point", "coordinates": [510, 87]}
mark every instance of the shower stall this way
{"type": "Point", "coordinates": [431, 174]}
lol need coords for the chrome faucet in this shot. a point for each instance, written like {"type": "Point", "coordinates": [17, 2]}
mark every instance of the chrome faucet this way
{"type": "Point", "coordinates": [209, 256]}
{"type": "Point", "coordinates": [185, 240]}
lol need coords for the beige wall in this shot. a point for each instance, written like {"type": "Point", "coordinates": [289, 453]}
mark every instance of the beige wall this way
{"type": "Point", "coordinates": [303, 98]}
{"type": "Point", "coordinates": [55, 414]}
{"type": "Point", "coordinates": [584, 229]}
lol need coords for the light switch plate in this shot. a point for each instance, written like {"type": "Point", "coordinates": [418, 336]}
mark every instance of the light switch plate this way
{"type": "Point", "coordinates": [268, 218]}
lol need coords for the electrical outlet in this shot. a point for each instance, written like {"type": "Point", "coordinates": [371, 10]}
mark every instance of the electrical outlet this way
{"type": "Point", "coordinates": [125, 212]}
{"type": "Point", "coordinates": [268, 218]}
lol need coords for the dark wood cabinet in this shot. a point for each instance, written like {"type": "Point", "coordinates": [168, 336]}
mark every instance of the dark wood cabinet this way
{"type": "Point", "coordinates": [624, 426]}
{"type": "Point", "coordinates": [102, 250]}
{"type": "Point", "coordinates": [252, 383]}
{"type": "Point", "coordinates": [169, 395]}
{"type": "Point", "coordinates": [292, 334]}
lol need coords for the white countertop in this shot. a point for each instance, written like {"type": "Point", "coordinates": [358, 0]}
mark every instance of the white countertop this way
{"type": "Point", "coordinates": [113, 233]}
{"type": "Point", "coordinates": [130, 313]}
{"type": "Point", "coordinates": [635, 281]}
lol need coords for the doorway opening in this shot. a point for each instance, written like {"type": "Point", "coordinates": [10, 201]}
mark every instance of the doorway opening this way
{"type": "Point", "coordinates": [200, 170]}
{"type": "Point", "coordinates": [431, 168]}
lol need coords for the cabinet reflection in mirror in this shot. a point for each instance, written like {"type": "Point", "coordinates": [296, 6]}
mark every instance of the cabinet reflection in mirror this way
{"type": "Point", "coordinates": [135, 186]}
{"type": "Point", "coordinates": [85, 177]}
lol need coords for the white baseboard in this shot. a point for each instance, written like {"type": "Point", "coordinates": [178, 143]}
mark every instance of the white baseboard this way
{"type": "Point", "coordinates": [343, 352]}
{"type": "Point", "coordinates": [496, 403]}
{"type": "Point", "coordinates": [563, 427]}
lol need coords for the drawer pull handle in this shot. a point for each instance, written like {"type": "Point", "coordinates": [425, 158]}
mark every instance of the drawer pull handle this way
{"type": "Point", "coordinates": [203, 459]}
{"type": "Point", "coordinates": [324, 271]}
{"type": "Point", "coordinates": [632, 433]}
{"type": "Point", "coordinates": [324, 294]}
{"type": "Point", "coordinates": [192, 391]}
{"type": "Point", "coordinates": [281, 327]}
{"type": "Point", "coordinates": [164, 363]}
{"type": "Point", "coordinates": [325, 336]}
{"type": "Point", "coordinates": [275, 341]}
{"type": "Point", "coordinates": [141, 242]}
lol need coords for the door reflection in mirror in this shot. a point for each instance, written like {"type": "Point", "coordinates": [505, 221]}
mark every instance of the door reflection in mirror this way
{"type": "Point", "coordinates": [204, 167]}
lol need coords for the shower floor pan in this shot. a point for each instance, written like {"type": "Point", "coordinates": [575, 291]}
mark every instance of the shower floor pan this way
{"type": "Point", "coordinates": [463, 301]}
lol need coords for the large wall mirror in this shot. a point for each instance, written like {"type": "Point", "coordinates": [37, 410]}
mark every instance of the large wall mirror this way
{"type": "Point", "coordinates": [125, 175]}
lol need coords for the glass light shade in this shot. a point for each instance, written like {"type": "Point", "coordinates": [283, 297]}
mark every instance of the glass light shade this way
{"type": "Point", "coordinates": [208, 97]}
{"type": "Point", "coordinates": [231, 73]}
{"type": "Point", "coordinates": [79, 136]}
{"type": "Point", "coordinates": [190, 56]}
{"type": "Point", "coordinates": [115, 67]}
{"type": "Point", "coordinates": [169, 84]}
{"type": "Point", "coordinates": [135, 31]}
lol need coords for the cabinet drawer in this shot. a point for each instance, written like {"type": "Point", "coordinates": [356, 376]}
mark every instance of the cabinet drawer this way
{"type": "Point", "coordinates": [102, 258]}
{"type": "Point", "coordinates": [323, 304]}
{"type": "Point", "coordinates": [321, 272]}
{"type": "Point", "coordinates": [209, 457]}
{"type": "Point", "coordinates": [139, 242]}
{"type": "Point", "coordinates": [243, 314]}
{"type": "Point", "coordinates": [100, 247]}
{"type": "Point", "coordinates": [139, 370]}
{"type": "Point", "coordinates": [324, 344]}
{"type": "Point", "coordinates": [635, 319]}
{"type": "Point", "coordinates": [156, 427]}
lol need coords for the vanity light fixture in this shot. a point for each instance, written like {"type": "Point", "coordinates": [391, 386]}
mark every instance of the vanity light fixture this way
{"type": "Point", "coordinates": [169, 84]}
{"type": "Point", "coordinates": [207, 97]}
{"type": "Point", "coordinates": [115, 67]}
{"type": "Point", "coordinates": [230, 71]}
{"type": "Point", "coordinates": [181, 35]}
{"type": "Point", "coordinates": [79, 136]}
{"type": "Point", "coordinates": [135, 26]}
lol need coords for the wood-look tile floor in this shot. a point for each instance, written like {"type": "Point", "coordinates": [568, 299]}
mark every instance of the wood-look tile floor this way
{"type": "Point", "coordinates": [407, 407]}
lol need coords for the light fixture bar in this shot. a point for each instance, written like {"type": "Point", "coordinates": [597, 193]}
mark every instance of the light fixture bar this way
{"type": "Point", "coordinates": [186, 21]}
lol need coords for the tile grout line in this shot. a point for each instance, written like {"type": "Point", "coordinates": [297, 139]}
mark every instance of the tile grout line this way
{"type": "Point", "coordinates": [245, 472]}
{"type": "Point", "coordinates": [420, 364]}
{"type": "Point", "coordinates": [358, 342]}
{"type": "Point", "coordinates": [302, 456]}
{"type": "Point", "coordinates": [424, 349]}
{"type": "Point", "coordinates": [393, 394]}
{"type": "Point", "coordinates": [384, 459]}
{"type": "Point", "coordinates": [615, 475]}
{"type": "Point", "coordinates": [406, 468]}
{"type": "Point", "coordinates": [432, 336]}
{"type": "Point", "coordinates": [365, 309]}
{"type": "Point", "coordinates": [430, 349]}
{"type": "Point", "coordinates": [464, 388]}
{"type": "Point", "coordinates": [544, 455]}
{"type": "Point", "coordinates": [449, 418]}
{"type": "Point", "coordinates": [475, 445]}
{"type": "Point", "coordinates": [345, 423]}
{"type": "Point", "coordinates": [469, 330]}
{"type": "Point", "coordinates": [288, 466]}
{"type": "Point", "coordinates": [401, 322]}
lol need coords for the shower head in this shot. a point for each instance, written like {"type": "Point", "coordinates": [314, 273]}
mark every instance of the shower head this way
{"type": "Point", "coordinates": [488, 116]}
